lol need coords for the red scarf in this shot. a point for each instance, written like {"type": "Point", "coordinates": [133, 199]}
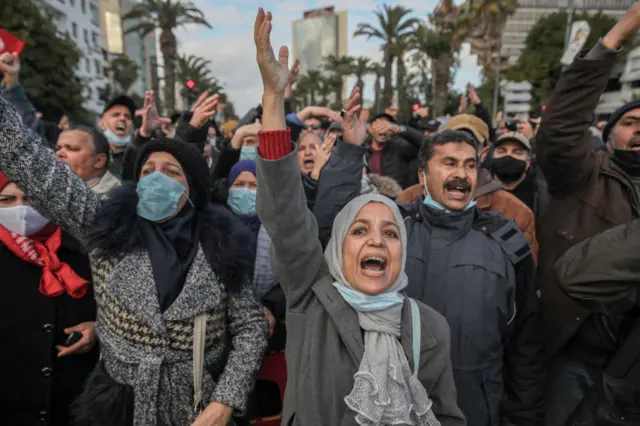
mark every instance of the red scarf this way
{"type": "Point", "coordinates": [57, 277]}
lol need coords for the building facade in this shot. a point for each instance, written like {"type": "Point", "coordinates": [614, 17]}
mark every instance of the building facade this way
{"type": "Point", "coordinates": [320, 33]}
{"type": "Point", "coordinates": [80, 19]}
{"type": "Point", "coordinates": [118, 42]}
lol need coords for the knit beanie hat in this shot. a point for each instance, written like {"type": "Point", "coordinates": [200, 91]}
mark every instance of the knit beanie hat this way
{"type": "Point", "coordinates": [617, 115]}
{"type": "Point", "coordinates": [242, 166]}
{"type": "Point", "coordinates": [471, 123]}
{"type": "Point", "coordinates": [191, 160]}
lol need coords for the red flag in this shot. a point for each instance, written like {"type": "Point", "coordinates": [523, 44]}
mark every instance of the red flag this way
{"type": "Point", "coordinates": [10, 43]}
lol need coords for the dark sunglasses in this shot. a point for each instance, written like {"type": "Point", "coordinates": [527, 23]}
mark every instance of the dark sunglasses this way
{"type": "Point", "coordinates": [312, 127]}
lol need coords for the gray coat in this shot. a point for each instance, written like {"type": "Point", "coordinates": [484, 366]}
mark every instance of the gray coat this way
{"type": "Point", "coordinates": [140, 346]}
{"type": "Point", "coordinates": [324, 338]}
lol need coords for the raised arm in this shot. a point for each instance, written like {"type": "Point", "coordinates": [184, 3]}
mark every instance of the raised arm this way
{"type": "Point", "coordinates": [296, 254]}
{"type": "Point", "coordinates": [563, 141]}
{"type": "Point", "coordinates": [55, 190]}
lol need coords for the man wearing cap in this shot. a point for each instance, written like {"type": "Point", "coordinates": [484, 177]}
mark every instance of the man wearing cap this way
{"type": "Point", "coordinates": [511, 163]}
{"type": "Point", "coordinates": [116, 123]}
{"type": "Point", "coordinates": [392, 150]}
{"type": "Point", "coordinates": [590, 193]}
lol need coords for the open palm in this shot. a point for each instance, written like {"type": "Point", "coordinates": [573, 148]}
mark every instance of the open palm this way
{"type": "Point", "coordinates": [275, 72]}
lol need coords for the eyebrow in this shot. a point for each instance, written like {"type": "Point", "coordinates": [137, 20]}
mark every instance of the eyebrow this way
{"type": "Point", "coordinates": [368, 222]}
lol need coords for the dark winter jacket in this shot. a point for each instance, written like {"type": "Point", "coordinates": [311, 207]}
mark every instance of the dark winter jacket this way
{"type": "Point", "coordinates": [141, 347]}
{"type": "Point", "coordinates": [400, 157]}
{"type": "Point", "coordinates": [37, 386]}
{"type": "Point", "coordinates": [602, 274]}
{"type": "Point", "coordinates": [588, 196]}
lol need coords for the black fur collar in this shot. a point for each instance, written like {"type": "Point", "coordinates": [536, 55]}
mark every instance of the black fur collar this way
{"type": "Point", "coordinates": [224, 239]}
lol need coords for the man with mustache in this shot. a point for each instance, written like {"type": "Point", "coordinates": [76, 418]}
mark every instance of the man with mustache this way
{"type": "Point", "coordinates": [476, 269]}
{"type": "Point", "coordinates": [590, 193]}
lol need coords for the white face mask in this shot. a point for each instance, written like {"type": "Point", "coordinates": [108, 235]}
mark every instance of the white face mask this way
{"type": "Point", "coordinates": [23, 220]}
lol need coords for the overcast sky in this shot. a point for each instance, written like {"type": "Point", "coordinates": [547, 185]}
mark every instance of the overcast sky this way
{"type": "Point", "coordinates": [231, 50]}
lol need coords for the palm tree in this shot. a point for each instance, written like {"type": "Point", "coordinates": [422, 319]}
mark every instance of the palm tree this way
{"type": "Point", "coordinates": [361, 67]}
{"type": "Point", "coordinates": [339, 67]}
{"type": "Point", "coordinates": [326, 85]}
{"type": "Point", "coordinates": [198, 70]}
{"type": "Point", "coordinates": [124, 71]}
{"type": "Point", "coordinates": [308, 83]}
{"type": "Point", "coordinates": [393, 23]}
{"type": "Point", "coordinates": [378, 71]}
{"type": "Point", "coordinates": [399, 49]}
{"type": "Point", "coordinates": [165, 16]}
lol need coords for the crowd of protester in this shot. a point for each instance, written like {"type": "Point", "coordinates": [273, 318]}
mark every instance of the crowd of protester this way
{"type": "Point", "coordinates": [306, 266]}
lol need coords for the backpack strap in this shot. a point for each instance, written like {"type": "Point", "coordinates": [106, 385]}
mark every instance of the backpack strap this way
{"type": "Point", "coordinates": [416, 334]}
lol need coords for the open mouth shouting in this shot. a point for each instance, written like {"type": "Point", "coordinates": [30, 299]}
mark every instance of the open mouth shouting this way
{"type": "Point", "coordinates": [120, 129]}
{"type": "Point", "coordinates": [373, 266]}
{"type": "Point", "coordinates": [457, 189]}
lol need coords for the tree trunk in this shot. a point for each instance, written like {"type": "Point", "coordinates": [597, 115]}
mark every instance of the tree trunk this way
{"type": "Point", "coordinates": [376, 100]}
{"type": "Point", "coordinates": [387, 94]}
{"type": "Point", "coordinates": [312, 95]}
{"type": "Point", "coordinates": [169, 52]}
{"type": "Point", "coordinates": [441, 75]}
{"type": "Point", "coordinates": [360, 84]}
{"type": "Point", "coordinates": [403, 103]}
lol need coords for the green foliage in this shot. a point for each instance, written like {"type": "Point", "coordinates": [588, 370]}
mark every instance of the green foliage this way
{"type": "Point", "coordinates": [539, 62]}
{"type": "Point", "coordinates": [124, 71]}
{"type": "Point", "coordinates": [47, 62]}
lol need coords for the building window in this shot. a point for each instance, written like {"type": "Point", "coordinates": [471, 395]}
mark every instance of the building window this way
{"type": "Point", "coordinates": [95, 15]}
{"type": "Point", "coordinates": [61, 1]}
{"type": "Point", "coordinates": [83, 5]}
{"type": "Point", "coordinates": [89, 93]}
{"type": "Point", "coordinates": [97, 67]}
{"type": "Point", "coordinates": [74, 29]}
{"type": "Point", "coordinates": [94, 39]}
{"type": "Point", "coordinates": [72, 2]}
{"type": "Point", "coordinates": [87, 65]}
{"type": "Point", "coordinates": [86, 35]}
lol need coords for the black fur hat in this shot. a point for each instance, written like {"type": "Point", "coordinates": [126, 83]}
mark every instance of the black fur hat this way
{"type": "Point", "coordinates": [191, 160]}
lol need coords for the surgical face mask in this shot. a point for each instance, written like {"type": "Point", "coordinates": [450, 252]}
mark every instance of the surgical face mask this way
{"type": "Point", "coordinates": [242, 201]}
{"type": "Point", "coordinates": [158, 196]}
{"type": "Point", "coordinates": [213, 142]}
{"type": "Point", "coordinates": [248, 153]}
{"type": "Point", "coordinates": [429, 201]}
{"type": "Point", "coordinates": [23, 220]}
{"type": "Point", "coordinates": [117, 140]}
{"type": "Point", "coordinates": [508, 169]}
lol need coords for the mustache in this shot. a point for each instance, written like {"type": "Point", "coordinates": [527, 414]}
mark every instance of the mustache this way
{"type": "Point", "coordinates": [458, 183]}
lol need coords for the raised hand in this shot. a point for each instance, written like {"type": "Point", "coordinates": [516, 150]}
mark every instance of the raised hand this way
{"type": "Point", "coordinates": [275, 72]}
{"type": "Point", "coordinates": [354, 125]}
{"type": "Point", "coordinates": [473, 95]}
{"type": "Point", "coordinates": [206, 109]}
{"type": "Point", "coordinates": [200, 100]}
{"type": "Point", "coordinates": [322, 155]}
{"type": "Point", "coordinates": [317, 112]}
{"type": "Point", "coordinates": [10, 67]}
{"type": "Point", "coordinates": [151, 120]}
{"type": "Point", "coordinates": [463, 105]}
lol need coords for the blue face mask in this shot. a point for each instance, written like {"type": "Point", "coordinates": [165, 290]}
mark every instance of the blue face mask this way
{"type": "Point", "coordinates": [213, 141]}
{"type": "Point", "coordinates": [366, 303]}
{"type": "Point", "coordinates": [429, 201]}
{"type": "Point", "coordinates": [117, 140]}
{"type": "Point", "coordinates": [242, 200]}
{"type": "Point", "coordinates": [248, 153]}
{"type": "Point", "coordinates": [158, 196]}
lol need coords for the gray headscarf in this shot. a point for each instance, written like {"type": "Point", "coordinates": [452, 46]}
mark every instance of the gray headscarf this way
{"type": "Point", "coordinates": [384, 390]}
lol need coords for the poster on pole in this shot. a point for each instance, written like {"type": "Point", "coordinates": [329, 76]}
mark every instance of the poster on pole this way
{"type": "Point", "coordinates": [580, 31]}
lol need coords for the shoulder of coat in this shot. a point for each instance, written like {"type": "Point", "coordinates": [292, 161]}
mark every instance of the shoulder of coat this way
{"type": "Point", "coordinates": [506, 233]}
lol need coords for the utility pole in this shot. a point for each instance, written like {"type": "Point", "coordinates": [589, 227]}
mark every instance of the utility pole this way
{"type": "Point", "coordinates": [567, 34]}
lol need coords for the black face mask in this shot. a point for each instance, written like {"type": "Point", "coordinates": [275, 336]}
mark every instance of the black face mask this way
{"type": "Point", "coordinates": [508, 169]}
{"type": "Point", "coordinates": [629, 161]}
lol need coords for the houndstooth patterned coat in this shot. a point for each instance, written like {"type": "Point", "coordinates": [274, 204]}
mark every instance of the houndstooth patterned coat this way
{"type": "Point", "coordinates": [149, 351]}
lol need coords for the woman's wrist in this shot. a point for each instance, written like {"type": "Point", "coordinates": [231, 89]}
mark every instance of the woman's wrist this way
{"type": "Point", "coordinates": [273, 117]}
